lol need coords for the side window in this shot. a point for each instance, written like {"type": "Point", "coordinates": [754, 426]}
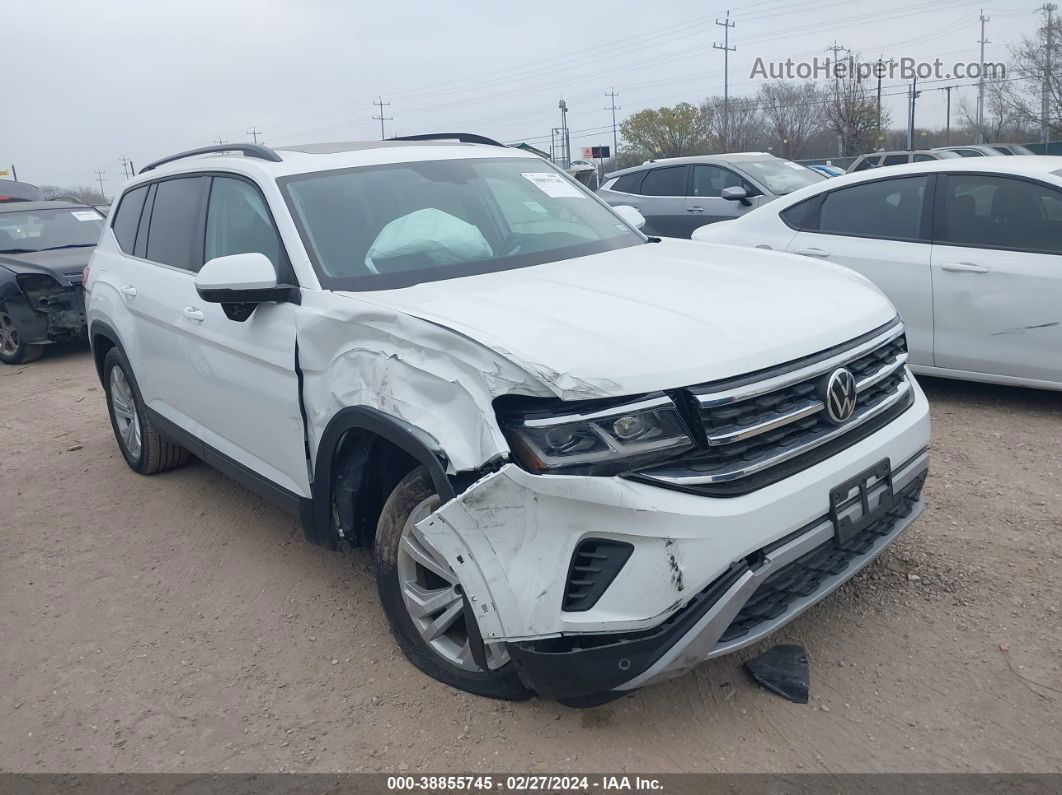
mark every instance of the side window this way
{"type": "Point", "coordinates": [669, 181]}
{"type": "Point", "coordinates": [922, 158]}
{"type": "Point", "coordinates": [127, 218]}
{"type": "Point", "coordinates": [173, 236]}
{"type": "Point", "coordinates": [968, 152]}
{"type": "Point", "coordinates": [894, 160]}
{"type": "Point", "coordinates": [629, 183]}
{"type": "Point", "coordinates": [890, 208]}
{"type": "Point", "coordinates": [804, 215]}
{"type": "Point", "coordinates": [865, 163]}
{"type": "Point", "coordinates": [710, 180]}
{"type": "Point", "coordinates": [1000, 212]}
{"type": "Point", "coordinates": [239, 222]}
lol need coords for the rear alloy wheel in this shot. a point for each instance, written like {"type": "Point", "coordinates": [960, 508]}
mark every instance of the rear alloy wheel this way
{"type": "Point", "coordinates": [425, 602]}
{"type": "Point", "coordinates": [143, 447]}
{"type": "Point", "coordinates": [13, 350]}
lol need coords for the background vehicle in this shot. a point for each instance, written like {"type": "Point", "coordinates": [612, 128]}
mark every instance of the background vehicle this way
{"type": "Point", "coordinates": [976, 273]}
{"type": "Point", "coordinates": [986, 150]}
{"type": "Point", "coordinates": [878, 159]}
{"type": "Point", "coordinates": [44, 247]}
{"type": "Point", "coordinates": [545, 515]}
{"type": "Point", "coordinates": [679, 194]}
{"type": "Point", "coordinates": [827, 170]}
{"type": "Point", "coordinates": [10, 190]}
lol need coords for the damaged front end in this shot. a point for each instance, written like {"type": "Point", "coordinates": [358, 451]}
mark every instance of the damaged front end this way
{"type": "Point", "coordinates": [47, 310]}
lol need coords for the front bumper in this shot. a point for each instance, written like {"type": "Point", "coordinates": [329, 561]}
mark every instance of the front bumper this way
{"type": "Point", "coordinates": [752, 599]}
{"type": "Point", "coordinates": [697, 562]}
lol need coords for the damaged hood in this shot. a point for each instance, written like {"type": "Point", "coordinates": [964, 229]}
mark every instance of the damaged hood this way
{"type": "Point", "coordinates": [653, 316]}
{"type": "Point", "coordinates": [64, 264]}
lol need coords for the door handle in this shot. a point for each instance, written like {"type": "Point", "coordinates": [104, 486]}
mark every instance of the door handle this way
{"type": "Point", "coordinates": [128, 291]}
{"type": "Point", "coordinates": [192, 313]}
{"type": "Point", "coordinates": [813, 252]}
{"type": "Point", "coordinates": [963, 267]}
{"type": "Point", "coordinates": [695, 209]}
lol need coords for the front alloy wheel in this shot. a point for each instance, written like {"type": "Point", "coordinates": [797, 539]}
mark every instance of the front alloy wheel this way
{"type": "Point", "coordinates": [13, 349]}
{"type": "Point", "coordinates": [425, 602]}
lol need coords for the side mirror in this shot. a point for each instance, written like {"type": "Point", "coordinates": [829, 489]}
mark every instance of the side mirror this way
{"type": "Point", "coordinates": [630, 215]}
{"type": "Point", "coordinates": [735, 193]}
{"type": "Point", "coordinates": [239, 282]}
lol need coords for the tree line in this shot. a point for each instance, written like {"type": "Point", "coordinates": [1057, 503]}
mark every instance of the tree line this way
{"type": "Point", "coordinates": [801, 120]}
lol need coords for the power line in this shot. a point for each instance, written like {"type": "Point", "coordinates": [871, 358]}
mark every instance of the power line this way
{"type": "Point", "coordinates": [381, 104]}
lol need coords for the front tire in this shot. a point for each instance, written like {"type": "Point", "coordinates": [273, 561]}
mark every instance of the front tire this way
{"type": "Point", "coordinates": [13, 348]}
{"type": "Point", "coordinates": [143, 448]}
{"type": "Point", "coordinates": [424, 602]}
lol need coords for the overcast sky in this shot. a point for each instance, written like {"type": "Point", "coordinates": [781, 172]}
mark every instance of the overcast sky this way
{"type": "Point", "coordinates": [88, 82]}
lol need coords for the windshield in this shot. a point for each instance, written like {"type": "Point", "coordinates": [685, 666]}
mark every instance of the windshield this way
{"type": "Point", "coordinates": [1018, 149]}
{"type": "Point", "coordinates": [379, 227]}
{"type": "Point", "coordinates": [780, 176]}
{"type": "Point", "coordinates": [39, 230]}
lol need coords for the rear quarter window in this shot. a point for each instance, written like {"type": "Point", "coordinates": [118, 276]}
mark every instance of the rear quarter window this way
{"type": "Point", "coordinates": [127, 218]}
{"type": "Point", "coordinates": [629, 183]}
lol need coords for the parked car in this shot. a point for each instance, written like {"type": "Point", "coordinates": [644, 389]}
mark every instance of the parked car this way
{"type": "Point", "coordinates": [986, 150]}
{"type": "Point", "coordinates": [44, 246]}
{"type": "Point", "coordinates": [878, 159]}
{"type": "Point", "coordinates": [10, 190]}
{"type": "Point", "coordinates": [827, 170]}
{"type": "Point", "coordinates": [586, 460]}
{"type": "Point", "coordinates": [968, 251]}
{"type": "Point", "coordinates": [679, 194]}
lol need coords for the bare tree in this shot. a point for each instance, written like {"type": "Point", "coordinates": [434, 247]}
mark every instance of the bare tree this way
{"type": "Point", "coordinates": [852, 114]}
{"type": "Point", "coordinates": [82, 193]}
{"type": "Point", "coordinates": [744, 128]}
{"type": "Point", "coordinates": [1030, 60]}
{"type": "Point", "coordinates": [794, 113]}
{"type": "Point", "coordinates": [1003, 114]}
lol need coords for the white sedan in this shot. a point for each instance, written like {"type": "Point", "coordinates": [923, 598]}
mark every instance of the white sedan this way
{"type": "Point", "coordinates": [969, 251]}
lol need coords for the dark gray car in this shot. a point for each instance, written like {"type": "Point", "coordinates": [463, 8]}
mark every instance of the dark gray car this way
{"type": "Point", "coordinates": [680, 194]}
{"type": "Point", "coordinates": [44, 248]}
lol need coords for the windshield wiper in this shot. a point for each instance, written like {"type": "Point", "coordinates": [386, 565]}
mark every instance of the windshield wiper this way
{"type": "Point", "coordinates": [18, 250]}
{"type": "Point", "coordinates": [68, 245]}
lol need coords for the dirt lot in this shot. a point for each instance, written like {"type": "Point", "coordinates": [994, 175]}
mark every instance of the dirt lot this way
{"type": "Point", "coordinates": [179, 623]}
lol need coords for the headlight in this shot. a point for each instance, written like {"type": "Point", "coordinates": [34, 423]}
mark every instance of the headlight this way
{"type": "Point", "coordinates": [604, 441]}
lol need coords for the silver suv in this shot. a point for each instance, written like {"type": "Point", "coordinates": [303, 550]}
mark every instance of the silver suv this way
{"type": "Point", "coordinates": [680, 194]}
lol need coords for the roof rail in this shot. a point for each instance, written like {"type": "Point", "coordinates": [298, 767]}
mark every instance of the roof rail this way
{"type": "Point", "coordinates": [249, 150]}
{"type": "Point", "coordinates": [465, 138]}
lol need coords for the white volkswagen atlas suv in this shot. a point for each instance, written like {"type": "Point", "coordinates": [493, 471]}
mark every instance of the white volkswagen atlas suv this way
{"type": "Point", "coordinates": [586, 459]}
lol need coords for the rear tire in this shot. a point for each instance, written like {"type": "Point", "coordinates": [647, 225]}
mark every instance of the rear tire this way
{"type": "Point", "coordinates": [144, 449]}
{"type": "Point", "coordinates": [407, 571]}
{"type": "Point", "coordinates": [12, 348]}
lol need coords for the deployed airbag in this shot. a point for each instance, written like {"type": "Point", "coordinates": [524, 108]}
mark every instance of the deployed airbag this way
{"type": "Point", "coordinates": [443, 238]}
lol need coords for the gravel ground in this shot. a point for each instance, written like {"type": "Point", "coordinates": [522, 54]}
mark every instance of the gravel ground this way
{"type": "Point", "coordinates": [179, 623]}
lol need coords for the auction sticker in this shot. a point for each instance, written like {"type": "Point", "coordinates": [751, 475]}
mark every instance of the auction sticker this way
{"type": "Point", "coordinates": [86, 215]}
{"type": "Point", "coordinates": [554, 185]}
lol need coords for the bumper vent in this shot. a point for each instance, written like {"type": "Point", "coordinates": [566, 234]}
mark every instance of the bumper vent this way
{"type": "Point", "coordinates": [594, 566]}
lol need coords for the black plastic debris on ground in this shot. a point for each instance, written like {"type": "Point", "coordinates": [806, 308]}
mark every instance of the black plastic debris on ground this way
{"type": "Point", "coordinates": [783, 670]}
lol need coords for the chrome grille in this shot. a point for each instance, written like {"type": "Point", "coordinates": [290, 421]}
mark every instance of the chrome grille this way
{"type": "Point", "coordinates": [754, 424]}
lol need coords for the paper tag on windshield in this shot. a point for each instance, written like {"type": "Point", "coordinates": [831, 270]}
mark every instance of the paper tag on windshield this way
{"type": "Point", "coordinates": [86, 215]}
{"type": "Point", "coordinates": [554, 185]}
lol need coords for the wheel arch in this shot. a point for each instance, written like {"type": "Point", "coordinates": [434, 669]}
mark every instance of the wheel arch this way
{"type": "Point", "coordinates": [362, 450]}
{"type": "Point", "coordinates": [101, 339]}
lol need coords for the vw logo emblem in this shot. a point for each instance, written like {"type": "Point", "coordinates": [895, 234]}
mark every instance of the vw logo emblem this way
{"type": "Point", "coordinates": [840, 395]}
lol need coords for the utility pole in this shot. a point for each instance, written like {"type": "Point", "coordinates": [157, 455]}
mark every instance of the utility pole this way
{"type": "Point", "coordinates": [381, 118]}
{"type": "Point", "coordinates": [99, 178]}
{"type": "Point", "coordinates": [947, 129]}
{"type": "Point", "coordinates": [835, 48]}
{"type": "Point", "coordinates": [981, 83]}
{"type": "Point", "coordinates": [220, 142]}
{"type": "Point", "coordinates": [615, 135]}
{"type": "Point", "coordinates": [911, 121]}
{"type": "Point", "coordinates": [566, 141]}
{"type": "Point", "coordinates": [881, 69]}
{"type": "Point", "coordinates": [125, 161]}
{"type": "Point", "coordinates": [254, 132]}
{"type": "Point", "coordinates": [1045, 108]}
{"type": "Point", "coordinates": [727, 49]}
